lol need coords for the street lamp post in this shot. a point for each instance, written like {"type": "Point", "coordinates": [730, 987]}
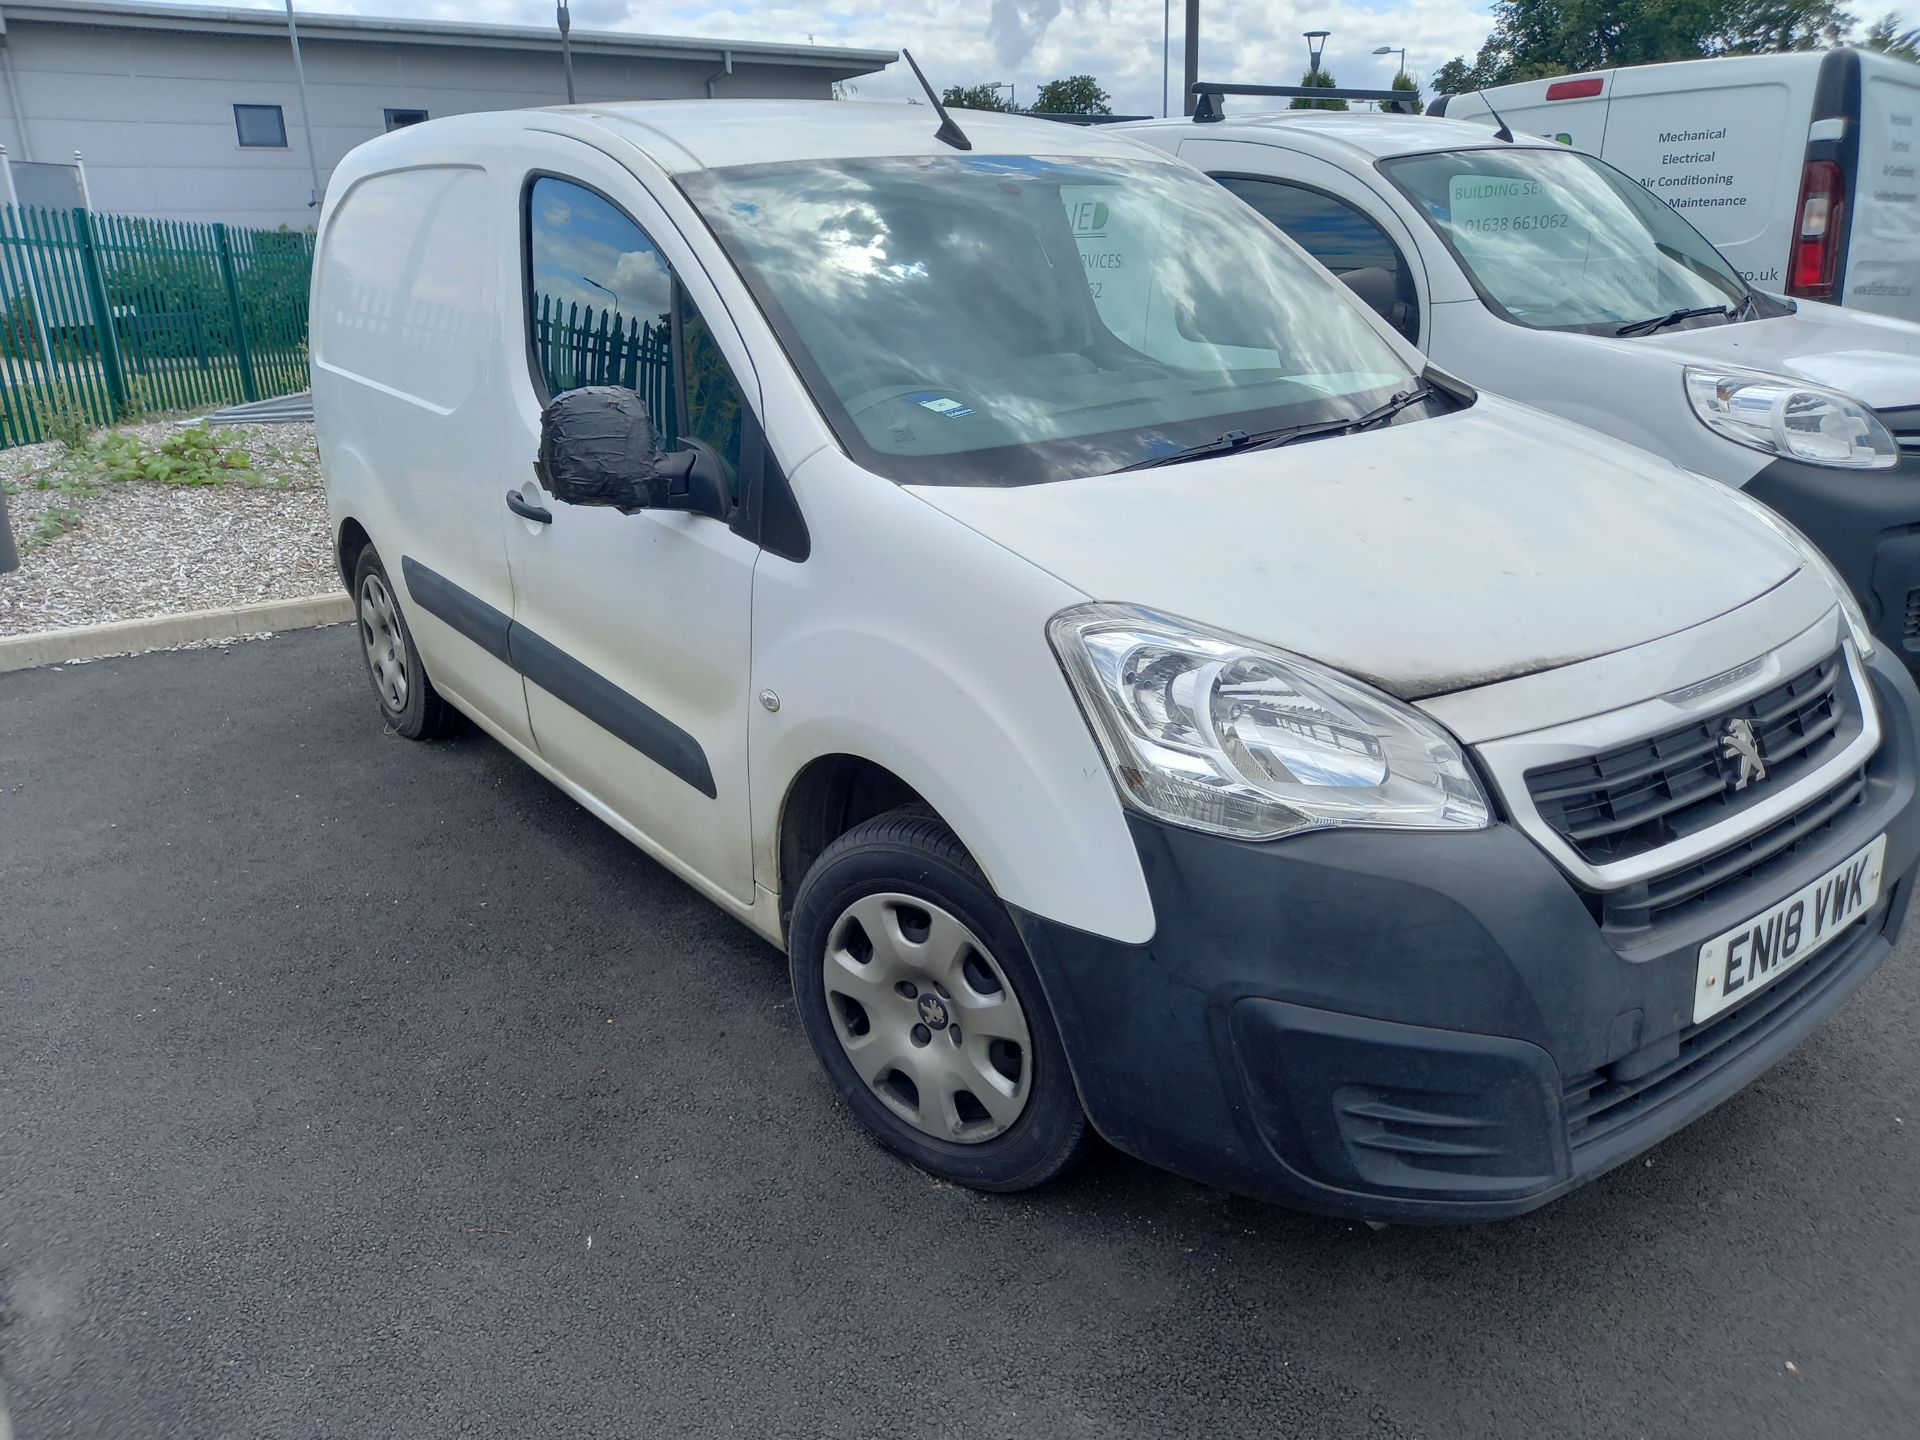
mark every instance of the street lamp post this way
{"type": "Point", "coordinates": [306, 116]}
{"type": "Point", "coordinates": [1391, 50]}
{"type": "Point", "coordinates": [1316, 47]}
{"type": "Point", "coordinates": [564, 18]}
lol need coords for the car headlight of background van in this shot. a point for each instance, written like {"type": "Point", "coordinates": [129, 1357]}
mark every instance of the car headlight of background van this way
{"type": "Point", "coordinates": [1215, 733]}
{"type": "Point", "coordinates": [1808, 423]}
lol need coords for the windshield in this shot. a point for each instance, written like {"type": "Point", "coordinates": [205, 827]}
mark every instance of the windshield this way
{"type": "Point", "coordinates": [1560, 241]}
{"type": "Point", "coordinates": [1002, 320]}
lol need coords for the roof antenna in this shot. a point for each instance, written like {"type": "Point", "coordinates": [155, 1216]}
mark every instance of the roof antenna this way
{"type": "Point", "coordinates": [948, 133]}
{"type": "Point", "coordinates": [1503, 133]}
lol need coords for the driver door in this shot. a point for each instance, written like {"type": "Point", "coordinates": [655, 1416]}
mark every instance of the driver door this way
{"type": "Point", "coordinates": [635, 629]}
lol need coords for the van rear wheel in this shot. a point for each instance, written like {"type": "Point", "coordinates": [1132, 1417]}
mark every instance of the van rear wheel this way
{"type": "Point", "coordinates": [924, 1008]}
{"type": "Point", "coordinates": [412, 707]}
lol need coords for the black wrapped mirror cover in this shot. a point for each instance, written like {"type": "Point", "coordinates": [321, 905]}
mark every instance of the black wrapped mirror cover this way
{"type": "Point", "coordinates": [598, 447]}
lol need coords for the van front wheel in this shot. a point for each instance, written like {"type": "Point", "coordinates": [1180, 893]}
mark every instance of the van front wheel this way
{"type": "Point", "coordinates": [920, 1000]}
{"type": "Point", "coordinates": [412, 707]}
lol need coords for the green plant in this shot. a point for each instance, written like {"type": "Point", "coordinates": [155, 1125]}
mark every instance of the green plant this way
{"type": "Point", "coordinates": [189, 456]}
{"type": "Point", "coordinates": [63, 415]}
{"type": "Point", "coordinates": [48, 525]}
{"type": "Point", "coordinates": [139, 402]}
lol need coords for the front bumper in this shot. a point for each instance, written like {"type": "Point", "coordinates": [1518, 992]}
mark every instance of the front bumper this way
{"type": "Point", "coordinates": [1868, 523]}
{"type": "Point", "coordinates": [1435, 1027]}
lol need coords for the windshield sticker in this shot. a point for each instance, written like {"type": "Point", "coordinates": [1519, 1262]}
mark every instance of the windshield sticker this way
{"type": "Point", "coordinates": [940, 404]}
{"type": "Point", "coordinates": [1499, 205]}
{"type": "Point", "coordinates": [1504, 224]}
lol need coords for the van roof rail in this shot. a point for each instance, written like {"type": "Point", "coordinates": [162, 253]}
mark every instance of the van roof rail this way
{"type": "Point", "coordinates": [1074, 117]}
{"type": "Point", "coordinates": [1210, 109]}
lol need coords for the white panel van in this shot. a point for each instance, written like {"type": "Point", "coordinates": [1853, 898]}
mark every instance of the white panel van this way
{"type": "Point", "coordinates": [1137, 693]}
{"type": "Point", "coordinates": [1803, 169]}
{"type": "Point", "coordinates": [1545, 274]}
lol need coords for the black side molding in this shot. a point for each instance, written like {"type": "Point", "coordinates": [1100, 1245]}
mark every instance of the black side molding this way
{"type": "Point", "coordinates": [611, 708]}
{"type": "Point", "coordinates": [561, 676]}
{"type": "Point", "coordinates": [462, 609]}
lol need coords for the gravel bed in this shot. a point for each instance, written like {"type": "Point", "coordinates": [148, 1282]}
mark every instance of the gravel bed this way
{"type": "Point", "coordinates": [137, 548]}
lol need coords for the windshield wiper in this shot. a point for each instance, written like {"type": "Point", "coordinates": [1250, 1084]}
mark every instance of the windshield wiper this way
{"type": "Point", "coordinates": [1379, 415]}
{"type": "Point", "coordinates": [1234, 441]}
{"type": "Point", "coordinates": [1672, 317]}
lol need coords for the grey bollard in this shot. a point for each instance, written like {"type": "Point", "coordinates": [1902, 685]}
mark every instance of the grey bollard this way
{"type": "Point", "coordinates": [9, 557]}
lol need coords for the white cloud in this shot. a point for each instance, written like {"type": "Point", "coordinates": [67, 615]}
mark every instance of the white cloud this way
{"type": "Point", "coordinates": [1028, 42]}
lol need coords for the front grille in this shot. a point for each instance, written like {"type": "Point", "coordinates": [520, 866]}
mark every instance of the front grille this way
{"type": "Point", "coordinates": [1910, 631]}
{"type": "Point", "coordinates": [1637, 798]}
{"type": "Point", "coordinates": [1597, 1106]}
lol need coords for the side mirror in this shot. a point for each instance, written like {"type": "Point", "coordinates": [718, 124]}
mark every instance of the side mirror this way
{"type": "Point", "coordinates": [598, 447]}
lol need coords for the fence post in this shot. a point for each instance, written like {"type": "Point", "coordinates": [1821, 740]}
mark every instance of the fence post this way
{"type": "Point", "coordinates": [102, 313]}
{"type": "Point", "coordinates": [249, 390]}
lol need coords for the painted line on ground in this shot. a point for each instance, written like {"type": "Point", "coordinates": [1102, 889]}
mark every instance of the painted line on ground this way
{"type": "Point", "coordinates": [163, 632]}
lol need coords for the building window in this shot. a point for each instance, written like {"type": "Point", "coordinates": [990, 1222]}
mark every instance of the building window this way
{"type": "Point", "coordinates": [260, 126]}
{"type": "Point", "coordinates": [398, 118]}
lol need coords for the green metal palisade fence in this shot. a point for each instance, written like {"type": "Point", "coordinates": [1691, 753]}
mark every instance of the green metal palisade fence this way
{"type": "Point", "coordinates": [111, 315]}
{"type": "Point", "coordinates": [576, 345]}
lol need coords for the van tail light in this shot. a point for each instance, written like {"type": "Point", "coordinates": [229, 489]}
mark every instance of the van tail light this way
{"type": "Point", "coordinates": [1816, 230]}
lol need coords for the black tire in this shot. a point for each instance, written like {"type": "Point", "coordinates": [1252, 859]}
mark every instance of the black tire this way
{"type": "Point", "coordinates": [420, 714]}
{"type": "Point", "coordinates": [911, 853]}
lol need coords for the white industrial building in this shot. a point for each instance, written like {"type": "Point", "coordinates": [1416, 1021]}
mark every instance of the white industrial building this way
{"type": "Point", "coordinates": [194, 113]}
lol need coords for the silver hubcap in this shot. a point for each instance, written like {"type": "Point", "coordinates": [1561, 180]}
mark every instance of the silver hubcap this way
{"type": "Point", "coordinates": [927, 1018]}
{"type": "Point", "coordinates": [386, 651]}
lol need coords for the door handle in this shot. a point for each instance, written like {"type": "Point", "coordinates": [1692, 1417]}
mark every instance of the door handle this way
{"type": "Point", "coordinates": [520, 506]}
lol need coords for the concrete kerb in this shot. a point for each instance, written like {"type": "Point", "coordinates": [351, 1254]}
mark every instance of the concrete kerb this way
{"type": "Point", "coordinates": [163, 632]}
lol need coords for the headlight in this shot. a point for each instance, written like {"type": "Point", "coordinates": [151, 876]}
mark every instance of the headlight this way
{"type": "Point", "coordinates": [1211, 732]}
{"type": "Point", "coordinates": [1784, 417]}
{"type": "Point", "coordinates": [1816, 561]}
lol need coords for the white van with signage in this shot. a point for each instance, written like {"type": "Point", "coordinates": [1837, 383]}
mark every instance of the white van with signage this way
{"type": "Point", "coordinates": [1544, 274]}
{"type": "Point", "coordinates": [1802, 169]}
{"type": "Point", "coordinates": [1137, 692]}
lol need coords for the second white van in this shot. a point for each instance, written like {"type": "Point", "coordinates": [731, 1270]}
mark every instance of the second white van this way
{"type": "Point", "coordinates": [1802, 169]}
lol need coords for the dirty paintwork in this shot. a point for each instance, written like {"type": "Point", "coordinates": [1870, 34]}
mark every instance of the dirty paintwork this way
{"type": "Point", "coordinates": [1536, 544]}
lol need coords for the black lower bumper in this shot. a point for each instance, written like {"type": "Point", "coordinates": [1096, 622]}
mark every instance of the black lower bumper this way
{"type": "Point", "coordinates": [1435, 1027]}
{"type": "Point", "coordinates": [1868, 523]}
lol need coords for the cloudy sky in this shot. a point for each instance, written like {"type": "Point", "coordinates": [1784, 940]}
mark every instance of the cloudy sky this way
{"type": "Point", "coordinates": [1031, 41]}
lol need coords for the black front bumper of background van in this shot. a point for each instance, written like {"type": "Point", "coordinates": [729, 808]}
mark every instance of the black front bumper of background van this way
{"type": "Point", "coordinates": [1868, 523]}
{"type": "Point", "coordinates": [1433, 1027]}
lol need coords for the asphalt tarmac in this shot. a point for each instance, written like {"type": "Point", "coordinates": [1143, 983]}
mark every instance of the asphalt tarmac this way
{"type": "Point", "coordinates": [351, 1087]}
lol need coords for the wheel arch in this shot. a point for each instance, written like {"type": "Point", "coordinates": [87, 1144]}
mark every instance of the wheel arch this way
{"type": "Point", "coordinates": [826, 798]}
{"type": "Point", "coordinates": [349, 541]}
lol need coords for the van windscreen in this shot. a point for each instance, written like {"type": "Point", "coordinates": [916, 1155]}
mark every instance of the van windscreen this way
{"type": "Point", "coordinates": [1557, 240]}
{"type": "Point", "coordinates": [1002, 319]}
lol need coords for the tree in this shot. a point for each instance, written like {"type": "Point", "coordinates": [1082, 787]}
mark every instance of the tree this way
{"type": "Point", "coordinates": [1456, 77]}
{"type": "Point", "coordinates": [977, 97]}
{"type": "Point", "coordinates": [1404, 81]}
{"type": "Point", "coordinates": [1319, 80]}
{"type": "Point", "coordinates": [1767, 27]}
{"type": "Point", "coordinates": [1886, 36]}
{"type": "Point", "coordinates": [1533, 39]}
{"type": "Point", "coordinates": [1075, 95]}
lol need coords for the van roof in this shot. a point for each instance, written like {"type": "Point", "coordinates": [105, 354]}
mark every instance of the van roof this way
{"type": "Point", "coordinates": [1363, 133]}
{"type": "Point", "coordinates": [682, 135]}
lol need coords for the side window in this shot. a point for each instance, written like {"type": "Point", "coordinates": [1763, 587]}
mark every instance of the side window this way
{"type": "Point", "coordinates": [1344, 240]}
{"type": "Point", "coordinates": [603, 305]}
{"type": "Point", "coordinates": [712, 399]}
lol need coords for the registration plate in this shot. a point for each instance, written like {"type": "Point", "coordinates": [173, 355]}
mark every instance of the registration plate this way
{"type": "Point", "coordinates": [1749, 956]}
